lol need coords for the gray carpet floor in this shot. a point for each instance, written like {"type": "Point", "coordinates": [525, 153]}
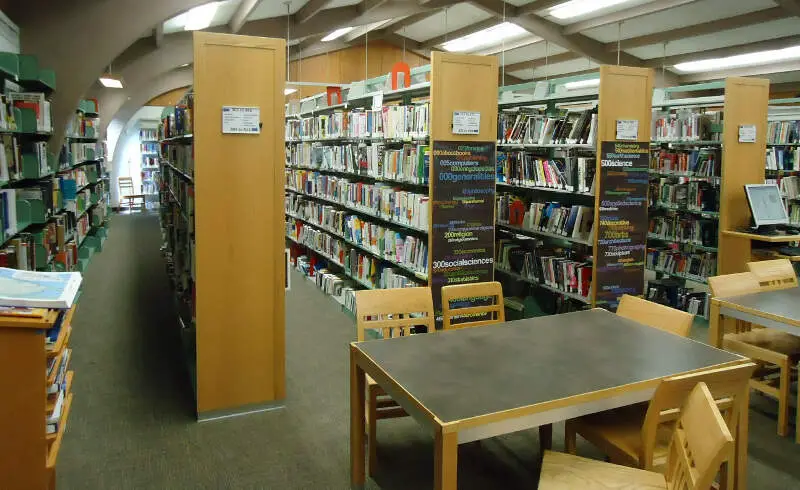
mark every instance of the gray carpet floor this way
{"type": "Point", "coordinates": [132, 424]}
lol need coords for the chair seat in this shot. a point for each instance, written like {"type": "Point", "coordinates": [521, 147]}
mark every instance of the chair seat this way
{"type": "Point", "coordinates": [770, 339]}
{"type": "Point", "coordinates": [567, 472]}
{"type": "Point", "coordinates": [618, 433]}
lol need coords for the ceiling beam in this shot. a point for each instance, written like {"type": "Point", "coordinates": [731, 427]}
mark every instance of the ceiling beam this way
{"type": "Point", "coordinates": [711, 27]}
{"type": "Point", "coordinates": [367, 5]}
{"type": "Point", "coordinates": [576, 43]}
{"type": "Point", "coordinates": [540, 62]}
{"type": "Point", "coordinates": [519, 43]}
{"type": "Point", "coordinates": [627, 14]}
{"type": "Point", "coordinates": [790, 6]}
{"type": "Point", "coordinates": [746, 71]}
{"type": "Point", "coordinates": [239, 17]}
{"type": "Point", "coordinates": [158, 35]}
{"type": "Point", "coordinates": [411, 19]}
{"type": "Point", "coordinates": [570, 74]}
{"type": "Point", "coordinates": [769, 44]}
{"type": "Point", "coordinates": [309, 10]}
{"type": "Point", "coordinates": [537, 6]}
{"type": "Point", "coordinates": [464, 31]}
{"type": "Point", "coordinates": [498, 8]}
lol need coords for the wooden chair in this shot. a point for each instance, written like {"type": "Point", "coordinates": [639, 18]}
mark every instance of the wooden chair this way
{"type": "Point", "coordinates": [455, 304]}
{"type": "Point", "coordinates": [639, 438]}
{"type": "Point", "coordinates": [127, 193]}
{"type": "Point", "coordinates": [772, 349]}
{"type": "Point", "coordinates": [655, 315]}
{"type": "Point", "coordinates": [392, 313]}
{"type": "Point", "coordinates": [700, 443]}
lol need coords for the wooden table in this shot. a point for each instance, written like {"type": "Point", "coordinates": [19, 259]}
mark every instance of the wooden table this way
{"type": "Point", "coordinates": [773, 309]}
{"type": "Point", "coordinates": [476, 383]}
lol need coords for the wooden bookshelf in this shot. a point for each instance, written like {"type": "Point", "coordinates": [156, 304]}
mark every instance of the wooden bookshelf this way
{"type": "Point", "coordinates": [230, 282]}
{"type": "Point", "coordinates": [30, 454]}
{"type": "Point", "coordinates": [621, 93]}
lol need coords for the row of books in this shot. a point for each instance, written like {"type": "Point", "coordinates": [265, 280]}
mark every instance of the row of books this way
{"type": "Point", "coordinates": [391, 122]}
{"type": "Point", "coordinates": [574, 127]}
{"type": "Point", "coordinates": [11, 150]}
{"type": "Point", "coordinates": [783, 132]}
{"type": "Point", "coordinates": [789, 186]}
{"type": "Point", "coordinates": [783, 159]}
{"type": "Point", "coordinates": [679, 297]}
{"type": "Point", "coordinates": [57, 391]}
{"type": "Point", "coordinates": [381, 200]}
{"type": "Point", "coordinates": [148, 147]}
{"type": "Point", "coordinates": [181, 157]}
{"type": "Point", "coordinates": [687, 264]}
{"type": "Point", "coordinates": [411, 163]}
{"type": "Point", "coordinates": [555, 267]}
{"type": "Point", "coordinates": [793, 209]}
{"type": "Point", "coordinates": [685, 125]}
{"type": "Point", "coordinates": [703, 162]}
{"type": "Point", "coordinates": [366, 269]}
{"type": "Point", "coordinates": [32, 101]}
{"type": "Point", "coordinates": [82, 125]}
{"type": "Point", "coordinates": [574, 221]}
{"type": "Point", "coordinates": [685, 229]}
{"type": "Point", "coordinates": [148, 134]}
{"type": "Point", "coordinates": [525, 169]}
{"type": "Point", "coordinates": [694, 196]}
{"type": "Point", "coordinates": [395, 246]}
{"type": "Point", "coordinates": [178, 120]}
{"type": "Point", "coordinates": [81, 152]}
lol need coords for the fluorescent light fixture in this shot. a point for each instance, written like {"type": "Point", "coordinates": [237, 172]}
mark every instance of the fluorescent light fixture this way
{"type": "Point", "coordinates": [289, 90]}
{"type": "Point", "coordinates": [576, 8]}
{"type": "Point", "coordinates": [337, 34]}
{"type": "Point", "coordinates": [199, 17]}
{"type": "Point", "coordinates": [485, 37]}
{"type": "Point", "coordinates": [759, 58]}
{"type": "Point", "coordinates": [592, 82]}
{"type": "Point", "coordinates": [111, 81]}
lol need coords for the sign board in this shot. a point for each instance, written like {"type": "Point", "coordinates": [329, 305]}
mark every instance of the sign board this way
{"type": "Point", "coordinates": [627, 129]}
{"type": "Point", "coordinates": [241, 120]}
{"type": "Point", "coordinates": [463, 202]}
{"type": "Point", "coordinates": [466, 122]}
{"type": "Point", "coordinates": [747, 133]}
{"type": "Point", "coordinates": [377, 101]}
{"type": "Point", "coordinates": [622, 225]}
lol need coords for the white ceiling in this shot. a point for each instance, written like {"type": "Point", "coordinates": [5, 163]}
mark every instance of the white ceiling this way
{"type": "Point", "coordinates": [223, 14]}
{"type": "Point", "coordinates": [446, 20]}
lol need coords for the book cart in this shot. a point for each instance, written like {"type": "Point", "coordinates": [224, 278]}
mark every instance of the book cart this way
{"type": "Point", "coordinates": [549, 178]}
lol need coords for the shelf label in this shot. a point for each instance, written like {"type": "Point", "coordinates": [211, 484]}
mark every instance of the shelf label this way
{"type": "Point", "coordinates": [466, 122]}
{"type": "Point", "coordinates": [241, 120]}
{"type": "Point", "coordinates": [462, 211]}
{"type": "Point", "coordinates": [622, 228]}
{"type": "Point", "coordinates": [627, 129]}
{"type": "Point", "coordinates": [377, 101]}
{"type": "Point", "coordinates": [747, 133]}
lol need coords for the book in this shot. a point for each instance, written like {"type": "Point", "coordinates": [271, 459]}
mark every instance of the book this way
{"type": "Point", "coordinates": [38, 289]}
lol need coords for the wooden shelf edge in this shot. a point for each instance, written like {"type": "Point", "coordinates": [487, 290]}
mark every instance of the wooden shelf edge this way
{"type": "Point", "coordinates": [52, 377]}
{"type": "Point", "coordinates": [28, 322]}
{"type": "Point", "coordinates": [52, 454]}
{"type": "Point", "coordinates": [50, 405]}
{"type": "Point", "coordinates": [762, 238]}
{"type": "Point", "coordinates": [61, 342]}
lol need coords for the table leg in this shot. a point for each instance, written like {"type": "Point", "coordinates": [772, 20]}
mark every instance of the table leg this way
{"type": "Point", "coordinates": [445, 469]}
{"type": "Point", "coordinates": [358, 383]}
{"type": "Point", "coordinates": [714, 326]}
{"type": "Point", "coordinates": [742, 441]}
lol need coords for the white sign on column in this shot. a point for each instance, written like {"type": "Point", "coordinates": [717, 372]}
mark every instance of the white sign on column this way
{"type": "Point", "coordinates": [241, 120]}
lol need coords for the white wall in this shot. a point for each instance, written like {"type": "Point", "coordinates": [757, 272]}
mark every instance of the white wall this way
{"type": "Point", "coordinates": [124, 151]}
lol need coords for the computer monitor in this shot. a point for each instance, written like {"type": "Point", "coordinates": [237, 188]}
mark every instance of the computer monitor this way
{"type": "Point", "coordinates": [766, 205]}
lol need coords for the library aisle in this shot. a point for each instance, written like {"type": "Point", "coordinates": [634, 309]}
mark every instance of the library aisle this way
{"type": "Point", "coordinates": [133, 424]}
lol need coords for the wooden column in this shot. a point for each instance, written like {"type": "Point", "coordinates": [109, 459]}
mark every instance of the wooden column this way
{"type": "Point", "coordinates": [239, 223]}
{"type": "Point", "coordinates": [746, 102]}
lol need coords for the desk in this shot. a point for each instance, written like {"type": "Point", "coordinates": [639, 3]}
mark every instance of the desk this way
{"type": "Point", "coordinates": [773, 309]}
{"type": "Point", "coordinates": [476, 383]}
{"type": "Point", "coordinates": [762, 238]}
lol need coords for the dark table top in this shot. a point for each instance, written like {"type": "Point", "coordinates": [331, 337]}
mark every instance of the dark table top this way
{"type": "Point", "coordinates": [782, 302]}
{"type": "Point", "coordinates": [478, 371]}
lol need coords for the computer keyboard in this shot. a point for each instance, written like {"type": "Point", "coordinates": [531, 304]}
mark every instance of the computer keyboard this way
{"type": "Point", "coordinates": [791, 251]}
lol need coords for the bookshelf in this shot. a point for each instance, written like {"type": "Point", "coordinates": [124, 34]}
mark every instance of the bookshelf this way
{"type": "Point", "coordinates": [782, 166]}
{"type": "Point", "coordinates": [225, 260]}
{"type": "Point", "coordinates": [34, 353]}
{"type": "Point", "coordinates": [345, 162]}
{"type": "Point", "coordinates": [149, 160]}
{"type": "Point", "coordinates": [551, 181]}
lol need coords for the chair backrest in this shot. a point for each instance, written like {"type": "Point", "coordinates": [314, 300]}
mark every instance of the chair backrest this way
{"type": "Point", "coordinates": [655, 315]}
{"type": "Point", "coordinates": [394, 312]}
{"type": "Point", "coordinates": [458, 303]}
{"type": "Point", "coordinates": [727, 386]}
{"type": "Point", "coordinates": [773, 274]}
{"type": "Point", "coordinates": [125, 184]}
{"type": "Point", "coordinates": [733, 284]}
{"type": "Point", "coordinates": [700, 443]}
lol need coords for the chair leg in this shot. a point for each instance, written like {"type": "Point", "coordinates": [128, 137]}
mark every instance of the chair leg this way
{"type": "Point", "coordinates": [783, 399]}
{"type": "Point", "coordinates": [372, 426]}
{"type": "Point", "coordinates": [545, 438]}
{"type": "Point", "coordinates": [570, 438]}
